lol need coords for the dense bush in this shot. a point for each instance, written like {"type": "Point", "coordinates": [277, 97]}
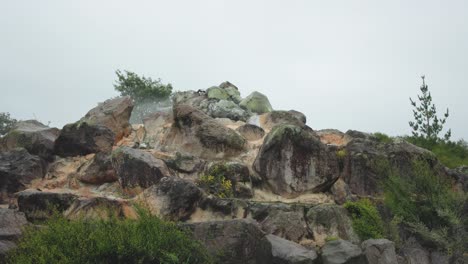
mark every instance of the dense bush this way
{"type": "Point", "coordinates": [367, 222]}
{"type": "Point", "coordinates": [383, 138]}
{"type": "Point", "coordinates": [217, 185]}
{"type": "Point", "coordinates": [146, 240]}
{"type": "Point", "coordinates": [428, 207]}
{"type": "Point", "coordinates": [451, 154]}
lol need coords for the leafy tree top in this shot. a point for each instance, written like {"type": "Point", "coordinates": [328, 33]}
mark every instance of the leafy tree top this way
{"type": "Point", "coordinates": [141, 88]}
{"type": "Point", "coordinates": [6, 123]}
{"type": "Point", "coordinates": [426, 123]}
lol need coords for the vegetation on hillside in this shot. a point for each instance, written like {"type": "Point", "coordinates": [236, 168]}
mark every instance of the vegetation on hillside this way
{"type": "Point", "coordinates": [145, 240]}
{"type": "Point", "coordinates": [428, 207]}
{"type": "Point", "coordinates": [6, 123]}
{"type": "Point", "coordinates": [367, 222]}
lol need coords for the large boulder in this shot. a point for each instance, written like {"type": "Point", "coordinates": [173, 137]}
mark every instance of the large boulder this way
{"type": "Point", "coordinates": [113, 114]}
{"type": "Point", "coordinates": [329, 220]}
{"type": "Point", "coordinates": [32, 135]}
{"type": "Point", "coordinates": [287, 252]}
{"type": "Point", "coordinates": [257, 103]}
{"type": "Point", "coordinates": [234, 241]}
{"type": "Point", "coordinates": [379, 251]}
{"type": "Point", "coordinates": [97, 170]}
{"type": "Point", "coordinates": [38, 205]}
{"type": "Point", "coordinates": [17, 169]}
{"type": "Point", "coordinates": [172, 198]}
{"type": "Point", "coordinates": [81, 138]}
{"type": "Point", "coordinates": [342, 252]}
{"type": "Point", "coordinates": [196, 133]}
{"type": "Point", "coordinates": [137, 168]}
{"type": "Point", "coordinates": [292, 161]}
{"type": "Point", "coordinates": [271, 119]}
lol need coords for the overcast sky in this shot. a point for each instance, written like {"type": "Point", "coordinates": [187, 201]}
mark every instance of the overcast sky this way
{"type": "Point", "coordinates": [345, 64]}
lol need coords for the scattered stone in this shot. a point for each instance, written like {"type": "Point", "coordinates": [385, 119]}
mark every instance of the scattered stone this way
{"type": "Point", "coordinates": [11, 222]}
{"type": "Point", "coordinates": [287, 252]}
{"type": "Point", "coordinates": [81, 138]}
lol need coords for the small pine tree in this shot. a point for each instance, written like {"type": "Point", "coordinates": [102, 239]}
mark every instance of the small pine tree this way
{"type": "Point", "coordinates": [6, 123]}
{"type": "Point", "coordinates": [426, 124]}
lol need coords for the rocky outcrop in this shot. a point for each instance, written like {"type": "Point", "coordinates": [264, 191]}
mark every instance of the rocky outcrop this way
{"type": "Point", "coordinates": [37, 138]}
{"type": "Point", "coordinates": [234, 241]}
{"type": "Point", "coordinates": [292, 161]}
{"type": "Point", "coordinates": [81, 138]}
{"type": "Point", "coordinates": [97, 170]}
{"type": "Point", "coordinates": [172, 198]}
{"type": "Point", "coordinates": [17, 169]}
{"type": "Point", "coordinates": [368, 161]}
{"type": "Point", "coordinates": [342, 252]}
{"type": "Point", "coordinates": [329, 220]}
{"type": "Point", "coordinates": [274, 118]}
{"type": "Point", "coordinates": [227, 109]}
{"type": "Point", "coordinates": [137, 168]}
{"type": "Point", "coordinates": [287, 252]}
{"type": "Point", "coordinates": [379, 251]}
{"type": "Point", "coordinates": [38, 205]}
{"type": "Point", "coordinates": [257, 103]}
{"type": "Point", "coordinates": [113, 114]}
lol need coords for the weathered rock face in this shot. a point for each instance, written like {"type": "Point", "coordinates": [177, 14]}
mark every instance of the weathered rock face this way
{"type": "Point", "coordinates": [365, 157]}
{"type": "Point", "coordinates": [137, 168]}
{"type": "Point", "coordinates": [172, 198]}
{"type": "Point", "coordinates": [293, 160]}
{"type": "Point", "coordinates": [251, 132]}
{"type": "Point", "coordinates": [17, 169]}
{"type": "Point", "coordinates": [333, 137]}
{"type": "Point", "coordinates": [113, 114]}
{"type": "Point", "coordinates": [82, 138]}
{"type": "Point", "coordinates": [98, 170]}
{"type": "Point", "coordinates": [200, 135]}
{"type": "Point", "coordinates": [281, 220]}
{"type": "Point", "coordinates": [287, 252]}
{"type": "Point", "coordinates": [379, 251]}
{"type": "Point", "coordinates": [275, 118]}
{"type": "Point", "coordinates": [99, 208]}
{"type": "Point", "coordinates": [11, 222]}
{"type": "Point", "coordinates": [38, 205]}
{"type": "Point", "coordinates": [341, 252]}
{"type": "Point", "coordinates": [32, 135]}
{"type": "Point", "coordinates": [329, 220]}
{"type": "Point", "coordinates": [257, 103]}
{"type": "Point", "coordinates": [185, 165]}
{"type": "Point", "coordinates": [234, 241]}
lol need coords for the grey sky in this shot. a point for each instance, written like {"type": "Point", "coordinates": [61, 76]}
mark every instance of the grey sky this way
{"type": "Point", "coordinates": [345, 64]}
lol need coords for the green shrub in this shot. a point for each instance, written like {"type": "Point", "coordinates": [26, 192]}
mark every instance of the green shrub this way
{"type": "Point", "coordinates": [428, 207]}
{"type": "Point", "coordinates": [6, 123]}
{"type": "Point", "coordinates": [367, 222]}
{"type": "Point", "coordinates": [383, 138]}
{"type": "Point", "coordinates": [217, 185]}
{"type": "Point", "coordinates": [145, 240]}
{"type": "Point", "coordinates": [451, 154]}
